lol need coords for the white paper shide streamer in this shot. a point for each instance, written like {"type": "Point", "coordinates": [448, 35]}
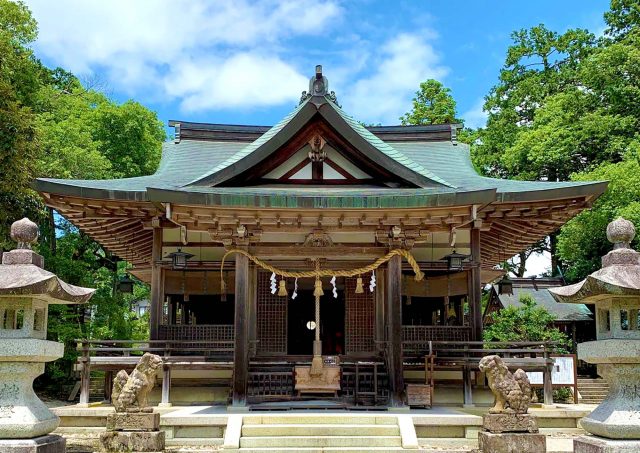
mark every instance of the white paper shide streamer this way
{"type": "Point", "coordinates": [372, 282]}
{"type": "Point", "coordinates": [295, 290]}
{"type": "Point", "coordinates": [335, 290]}
{"type": "Point", "coordinates": [274, 286]}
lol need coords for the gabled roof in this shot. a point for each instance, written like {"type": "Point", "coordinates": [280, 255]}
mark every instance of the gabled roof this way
{"type": "Point", "coordinates": [538, 289]}
{"type": "Point", "coordinates": [438, 171]}
{"type": "Point", "coordinates": [375, 149]}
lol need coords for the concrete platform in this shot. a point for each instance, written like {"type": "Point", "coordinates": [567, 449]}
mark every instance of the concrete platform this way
{"type": "Point", "coordinates": [439, 429]}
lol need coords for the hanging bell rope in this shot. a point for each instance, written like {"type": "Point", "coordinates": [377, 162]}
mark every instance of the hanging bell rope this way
{"type": "Point", "coordinates": [318, 273]}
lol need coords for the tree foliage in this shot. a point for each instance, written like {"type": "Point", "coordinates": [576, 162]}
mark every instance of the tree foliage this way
{"type": "Point", "coordinates": [432, 104]}
{"type": "Point", "coordinates": [52, 125]}
{"type": "Point", "coordinates": [529, 322]}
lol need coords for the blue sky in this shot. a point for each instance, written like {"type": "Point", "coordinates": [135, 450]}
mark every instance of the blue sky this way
{"type": "Point", "coordinates": [247, 62]}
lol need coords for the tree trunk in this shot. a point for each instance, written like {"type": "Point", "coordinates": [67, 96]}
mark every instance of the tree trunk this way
{"type": "Point", "coordinates": [52, 231]}
{"type": "Point", "coordinates": [522, 265]}
{"type": "Point", "coordinates": [553, 249]}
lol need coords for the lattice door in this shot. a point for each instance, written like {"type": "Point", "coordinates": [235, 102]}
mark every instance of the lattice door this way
{"type": "Point", "coordinates": [360, 318]}
{"type": "Point", "coordinates": [271, 318]}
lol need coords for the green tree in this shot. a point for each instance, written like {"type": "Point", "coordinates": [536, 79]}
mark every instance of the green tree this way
{"type": "Point", "coordinates": [539, 63]}
{"type": "Point", "coordinates": [19, 84]}
{"type": "Point", "coordinates": [528, 322]}
{"type": "Point", "coordinates": [432, 104]}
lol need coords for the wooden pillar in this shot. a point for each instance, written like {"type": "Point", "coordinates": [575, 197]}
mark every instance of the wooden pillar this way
{"type": "Point", "coordinates": [108, 385]}
{"type": "Point", "coordinates": [467, 387]}
{"type": "Point", "coordinates": [241, 350]}
{"type": "Point", "coordinates": [166, 386]}
{"type": "Point", "coordinates": [85, 375]}
{"type": "Point", "coordinates": [394, 331]}
{"type": "Point", "coordinates": [155, 314]}
{"type": "Point", "coordinates": [253, 310]}
{"type": "Point", "coordinates": [380, 312]}
{"type": "Point", "coordinates": [475, 296]}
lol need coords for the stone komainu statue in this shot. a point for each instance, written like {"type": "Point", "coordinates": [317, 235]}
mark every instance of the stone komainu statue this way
{"type": "Point", "coordinates": [512, 391]}
{"type": "Point", "coordinates": [130, 391]}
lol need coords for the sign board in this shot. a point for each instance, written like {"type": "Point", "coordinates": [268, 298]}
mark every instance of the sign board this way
{"type": "Point", "coordinates": [563, 372]}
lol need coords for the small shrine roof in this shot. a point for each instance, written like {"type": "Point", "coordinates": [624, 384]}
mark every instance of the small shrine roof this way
{"type": "Point", "coordinates": [538, 289]}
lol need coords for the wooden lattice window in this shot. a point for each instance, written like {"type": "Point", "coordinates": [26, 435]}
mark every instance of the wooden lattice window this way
{"type": "Point", "coordinates": [271, 318]}
{"type": "Point", "coordinates": [359, 317]}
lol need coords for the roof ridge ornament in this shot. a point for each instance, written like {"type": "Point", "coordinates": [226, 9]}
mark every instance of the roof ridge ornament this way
{"type": "Point", "coordinates": [319, 86]}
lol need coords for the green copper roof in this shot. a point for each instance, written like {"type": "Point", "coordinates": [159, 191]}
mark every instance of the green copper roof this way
{"type": "Point", "coordinates": [191, 170]}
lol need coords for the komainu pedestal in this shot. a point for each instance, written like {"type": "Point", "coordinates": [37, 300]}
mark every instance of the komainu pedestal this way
{"type": "Point", "coordinates": [134, 426]}
{"type": "Point", "coordinates": [508, 428]}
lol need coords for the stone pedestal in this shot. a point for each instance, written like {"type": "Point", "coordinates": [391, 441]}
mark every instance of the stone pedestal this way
{"type": "Point", "coordinates": [42, 444]}
{"type": "Point", "coordinates": [618, 416]}
{"type": "Point", "coordinates": [132, 441]}
{"type": "Point", "coordinates": [592, 444]}
{"type": "Point", "coordinates": [510, 433]}
{"type": "Point", "coordinates": [509, 423]}
{"type": "Point", "coordinates": [140, 421]}
{"type": "Point", "coordinates": [512, 442]}
{"type": "Point", "coordinates": [133, 431]}
{"type": "Point", "coordinates": [22, 414]}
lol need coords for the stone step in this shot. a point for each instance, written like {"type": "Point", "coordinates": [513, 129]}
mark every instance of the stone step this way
{"type": "Point", "coordinates": [594, 392]}
{"type": "Point", "coordinates": [321, 441]}
{"type": "Point", "coordinates": [315, 419]}
{"type": "Point", "coordinates": [329, 449]}
{"type": "Point", "coordinates": [304, 429]}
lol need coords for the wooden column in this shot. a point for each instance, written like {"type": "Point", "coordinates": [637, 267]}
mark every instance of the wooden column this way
{"type": "Point", "coordinates": [166, 386]}
{"type": "Point", "coordinates": [155, 313]}
{"type": "Point", "coordinates": [394, 331]}
{"type": "Point", "coordinates": [475, 296]}
{"type": "Point", "coordinates": [253, 310]}
{"type": "Point", "coordinates": [380, 315]}
{"type": "Point", "coordinates": [108, 385]}
{"type": "Point", "coordinates": [241, 351]}
{"type": "Point", "coordinates": [85, 375]}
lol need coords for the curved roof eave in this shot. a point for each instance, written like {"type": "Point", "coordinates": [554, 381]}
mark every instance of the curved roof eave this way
{"type": "Point", "coordinates": [345, 199]}
{"type": "Point", "coordinates": [59, 187]}
{"type": "Point", "coordinates": [594, 189]}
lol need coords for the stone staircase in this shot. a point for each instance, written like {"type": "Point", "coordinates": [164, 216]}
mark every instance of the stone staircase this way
{"type": "Point", "coordinates": [592, 391]}
{"type": "Point", "coordinates": [355, 433]}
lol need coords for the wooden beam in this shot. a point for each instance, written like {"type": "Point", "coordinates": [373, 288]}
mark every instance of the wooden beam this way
{"type": "Point", "coordinates": [394, 331]}
{"type": "Point", "coordinates": [241, 322]}
{"type": "Point", "coordinates": [155, 314]}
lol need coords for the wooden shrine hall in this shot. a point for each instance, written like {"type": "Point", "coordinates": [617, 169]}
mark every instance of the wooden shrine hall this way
{"type": "Point", "coordinates": [317, 258]}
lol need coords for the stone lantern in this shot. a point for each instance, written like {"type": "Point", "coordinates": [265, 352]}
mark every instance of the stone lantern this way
{"type": "Point", "coordinates": [615, 291]}
{"type": "Point", "coordinates": [26, 290]}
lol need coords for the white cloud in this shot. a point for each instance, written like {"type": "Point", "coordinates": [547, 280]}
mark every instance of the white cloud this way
{"type": "Point", "coordinates": [397, 70]}
{"type": "Point", "coordinates": [184, 47]}
{"type": "Point", "coordinates": [475, 117]}
{"type": "Point", "coordinates": [243, 80]}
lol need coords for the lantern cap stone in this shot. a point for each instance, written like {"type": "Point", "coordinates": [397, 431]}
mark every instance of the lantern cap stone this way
{"type": "Point", "coordinates": [621, 232]}
{"type": "Point", "coordinates": [24, 232]}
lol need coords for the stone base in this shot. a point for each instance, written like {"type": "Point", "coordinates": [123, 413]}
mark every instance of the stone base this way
{"type": "Point", "coordinates": [512, 443]}
{"type": "Point", "coordinates": [43, 444]}
{"type": "Point", "coordinates": [127, 421]}
{"type": "Point", "coordinates": [128, 441]}
{"type": "Point", "coordinates": [509, 423]}
{"type": "Point", "coordinates": [593, 444]}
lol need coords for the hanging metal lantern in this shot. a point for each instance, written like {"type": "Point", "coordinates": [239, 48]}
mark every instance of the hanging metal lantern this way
{"type": "Point", "coordinates": [179, 259]}
{"type": "Point", "coordinates": [454, 260]}
{"type": "Point", "coordinates": [125, 284]}
{"type": "Point", "coordinates": [505, 285]}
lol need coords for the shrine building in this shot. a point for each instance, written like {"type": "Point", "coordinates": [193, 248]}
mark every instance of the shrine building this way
{"type": "Point", "coordinates": [393, 221]}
